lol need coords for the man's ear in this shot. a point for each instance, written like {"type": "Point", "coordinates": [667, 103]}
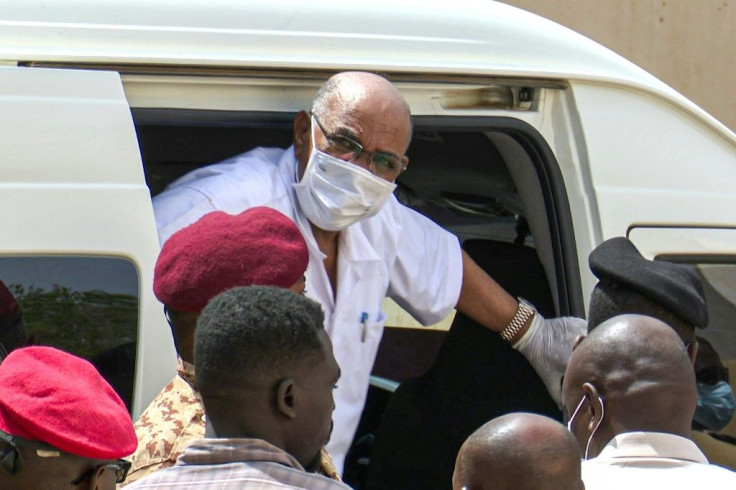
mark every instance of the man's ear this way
{"type": "Point", "coordinates": [595, 406]}
{"type": "Point", "coordinates": [102, 479]}
{"type": "Point", "coordinates": [302, 133]}
{"type": "Point", "coordinates": [302, 141]}
{"type": "Point", "coordinates": [285, 398]}
{"type": "Point", "coordinates": [578, 339]}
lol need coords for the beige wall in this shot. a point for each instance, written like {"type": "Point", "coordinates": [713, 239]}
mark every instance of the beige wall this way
{"type": "Point", "coordinates": [689, 44]}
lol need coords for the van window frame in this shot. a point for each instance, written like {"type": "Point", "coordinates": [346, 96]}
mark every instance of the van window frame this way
{"type": "Point", "coordinates": [557, 206]}
{"type": "Point", "coordinates": [556, 203]}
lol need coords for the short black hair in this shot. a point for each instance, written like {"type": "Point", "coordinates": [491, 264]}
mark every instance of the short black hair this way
{"type": "Point", "coordinates": [248, 333]}
{"type": "Point", "coordinates": [610, 299]}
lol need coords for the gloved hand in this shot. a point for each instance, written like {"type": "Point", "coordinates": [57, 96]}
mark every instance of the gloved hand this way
{"type": "Point", "coordinates": [547, 345]}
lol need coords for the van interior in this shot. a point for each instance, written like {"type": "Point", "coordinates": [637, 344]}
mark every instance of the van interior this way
{"type": "Point", "coordinates": [484, 180]}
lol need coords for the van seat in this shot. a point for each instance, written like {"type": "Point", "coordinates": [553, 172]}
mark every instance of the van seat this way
{"type": "Point", "coordinates": [477, 376]}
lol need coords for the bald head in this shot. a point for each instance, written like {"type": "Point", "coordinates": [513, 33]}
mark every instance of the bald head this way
{"type": "Point", "coordinates": [362, 107]}
{"type": "Point", "coordinates": [348, 88]}
{"type": "Point", "coordinates": [637, 369]}
{"type": "Point", "coordinates": [519, 451]}
{"type": "Point", "coordinates": [365, 98]}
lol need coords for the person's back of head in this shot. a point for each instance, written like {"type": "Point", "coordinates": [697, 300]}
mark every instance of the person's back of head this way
{"type": "Point", "coordinates": [265, 369]}
{"type": "Point", "coordinates": [632, 373]}
{"type": "Point", "coordinates": [519, 451]}
{"type": "Point", "coordinates": [61, 424]}
{"type": "Point", "coordinates": [630, 284]}
{"type": "Point", "coordinates": [259, 246]}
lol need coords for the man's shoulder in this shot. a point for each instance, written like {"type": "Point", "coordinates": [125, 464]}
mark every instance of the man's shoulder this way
{"type": "Point", "coordinates": [237, 474]}
{"type": "Point", "coordinates": [666, 469]}
{"type": "Point", "coordinates": [655, 472]}
{"type": "Point", "coordinates": [255, 178]}
{"type": "Point", "coordinates": [255, 169]}
{"type": "Point", "coordinates": [396, 223]}
{"type": "Point", "coordinates": [177, 397]}
{"type": "Point", "coordinates": [171, 421]}
{"type": "Point", "coordinates": [391, 218]}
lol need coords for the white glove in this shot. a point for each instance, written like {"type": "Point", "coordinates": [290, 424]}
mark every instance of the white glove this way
{"type": "Point", "coordinates": [547, 345]}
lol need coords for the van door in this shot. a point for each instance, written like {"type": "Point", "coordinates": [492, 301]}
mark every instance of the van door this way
{"type": "Point", "coordinates": [652, 162]}
{"type": "Point", "coordinates": [79, 241]}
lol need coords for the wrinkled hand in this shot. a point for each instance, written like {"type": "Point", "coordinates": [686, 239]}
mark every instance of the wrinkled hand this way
{"type": "Point", "coordinates": [547, 345]}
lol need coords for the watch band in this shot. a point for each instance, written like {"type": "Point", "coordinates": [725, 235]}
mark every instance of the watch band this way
{"type": "Point", "coordinates": [523, 314]}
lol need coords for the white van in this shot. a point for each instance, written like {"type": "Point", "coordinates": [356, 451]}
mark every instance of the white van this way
{"type": "Point", "coordinates": [528, 137]}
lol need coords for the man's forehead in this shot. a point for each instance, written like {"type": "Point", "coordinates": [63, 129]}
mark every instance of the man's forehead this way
{"type": "Point", "coordinates": [390, 129]}
{"type": "Point", "coordinates": [353, 97]}
{"type": "Point", "coordinates": [367, 112]}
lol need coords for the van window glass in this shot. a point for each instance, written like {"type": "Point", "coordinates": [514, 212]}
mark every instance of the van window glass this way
{"type": "Point", "coordinates": [720, 289]}
{"type": "Point", "coordinates": [84, 305]}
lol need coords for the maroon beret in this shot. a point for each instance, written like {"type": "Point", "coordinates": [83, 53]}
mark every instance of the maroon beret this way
{"type": "Point", "coordinates": [221, 251]}
{"type": "Point", "coordinates": [9, 309]}
{"type": "Point", "coordinates": [54, 397]}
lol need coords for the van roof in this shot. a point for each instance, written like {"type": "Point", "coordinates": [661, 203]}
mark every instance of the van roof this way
{"type": "Point", "coordinates": [458, 38]}
{"type": "Point", "coordinates": [470, 37]}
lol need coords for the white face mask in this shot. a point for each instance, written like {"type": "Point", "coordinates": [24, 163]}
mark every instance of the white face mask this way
{"type": "Point", "coordinates": [334, 194]}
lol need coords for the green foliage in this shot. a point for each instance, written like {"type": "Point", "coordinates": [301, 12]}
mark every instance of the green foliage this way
{"type": "Point", "coordinates": [83, 322]}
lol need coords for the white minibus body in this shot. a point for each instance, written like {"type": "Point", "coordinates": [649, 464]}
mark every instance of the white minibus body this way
{"type": "Point", "coordinates": [528, 137]}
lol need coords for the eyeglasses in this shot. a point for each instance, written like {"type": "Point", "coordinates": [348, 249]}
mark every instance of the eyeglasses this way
{"type": "Point", "coordinates": [120, 467]}
{"type": "Point", "coordinates": [12, 461]}
{"type": "Point", "coordinates": [384, 165]}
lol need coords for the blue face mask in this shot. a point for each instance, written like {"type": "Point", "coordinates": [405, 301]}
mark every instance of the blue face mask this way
{"type": "Point", "coordinates": [716, 405]}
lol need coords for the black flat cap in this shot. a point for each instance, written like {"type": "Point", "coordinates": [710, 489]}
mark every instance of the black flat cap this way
{"type": "Point", "coordinates": [676, 287]}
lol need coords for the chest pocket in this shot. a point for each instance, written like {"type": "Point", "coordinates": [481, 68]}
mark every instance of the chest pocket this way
{"type": "Point", "coordinates": [371, 327]}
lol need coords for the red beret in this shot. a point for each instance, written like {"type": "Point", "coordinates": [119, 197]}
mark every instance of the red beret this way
{"type": "Point", "coordinates": [220, 251]}
{"type": "Point", "coordinates": [9, 309]}
{"type": "Point", "coordinates": [50, 396]}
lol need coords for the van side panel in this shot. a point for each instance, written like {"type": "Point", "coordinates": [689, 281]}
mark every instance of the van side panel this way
{"type": "Point", "coordinates": [652, 163]}
{"type": "Point", "coordinates": [73, 184]}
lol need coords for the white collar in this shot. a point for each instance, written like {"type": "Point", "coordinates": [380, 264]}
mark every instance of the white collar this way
{"type": "Point", "coordinates": [652, 445]}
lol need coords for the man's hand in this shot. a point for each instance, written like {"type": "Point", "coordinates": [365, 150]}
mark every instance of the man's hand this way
{"type": "Point", "coordinates": [547, 345]}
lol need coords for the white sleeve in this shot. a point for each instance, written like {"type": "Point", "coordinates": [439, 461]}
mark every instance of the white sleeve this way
{"type": "Point", "coordinates": [234, 185]}
{"type": "Point", "coordinates": [179, 207]}
{"type": "Point", "coordinates": [426, 276]}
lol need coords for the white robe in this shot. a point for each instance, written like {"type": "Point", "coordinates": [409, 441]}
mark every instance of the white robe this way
{"type": "Point", "coordinates": [397, 253]}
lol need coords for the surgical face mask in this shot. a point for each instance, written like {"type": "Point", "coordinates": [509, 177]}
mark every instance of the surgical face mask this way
{"type": "Point", "coordinates": [575, 413]}
{"type": "Point", "coordinates": [716, 405]}
{"type": "Point", "coordinates": [335, 194]}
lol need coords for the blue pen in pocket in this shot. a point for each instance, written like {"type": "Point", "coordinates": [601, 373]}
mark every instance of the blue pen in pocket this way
{"type": "Point", "coordinates": [364, 326]}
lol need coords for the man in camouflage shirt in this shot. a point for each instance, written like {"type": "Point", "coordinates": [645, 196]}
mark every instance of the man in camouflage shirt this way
{"type": "Point", "coordinates": [260, 246]}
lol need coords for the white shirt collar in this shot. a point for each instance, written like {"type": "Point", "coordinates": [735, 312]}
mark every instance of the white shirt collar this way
{"type": "Point", "coordinates": [652, 445]}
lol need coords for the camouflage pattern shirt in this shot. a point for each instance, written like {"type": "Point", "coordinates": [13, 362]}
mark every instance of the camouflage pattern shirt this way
{"type": "Point", "coordinates": [173, 420]}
